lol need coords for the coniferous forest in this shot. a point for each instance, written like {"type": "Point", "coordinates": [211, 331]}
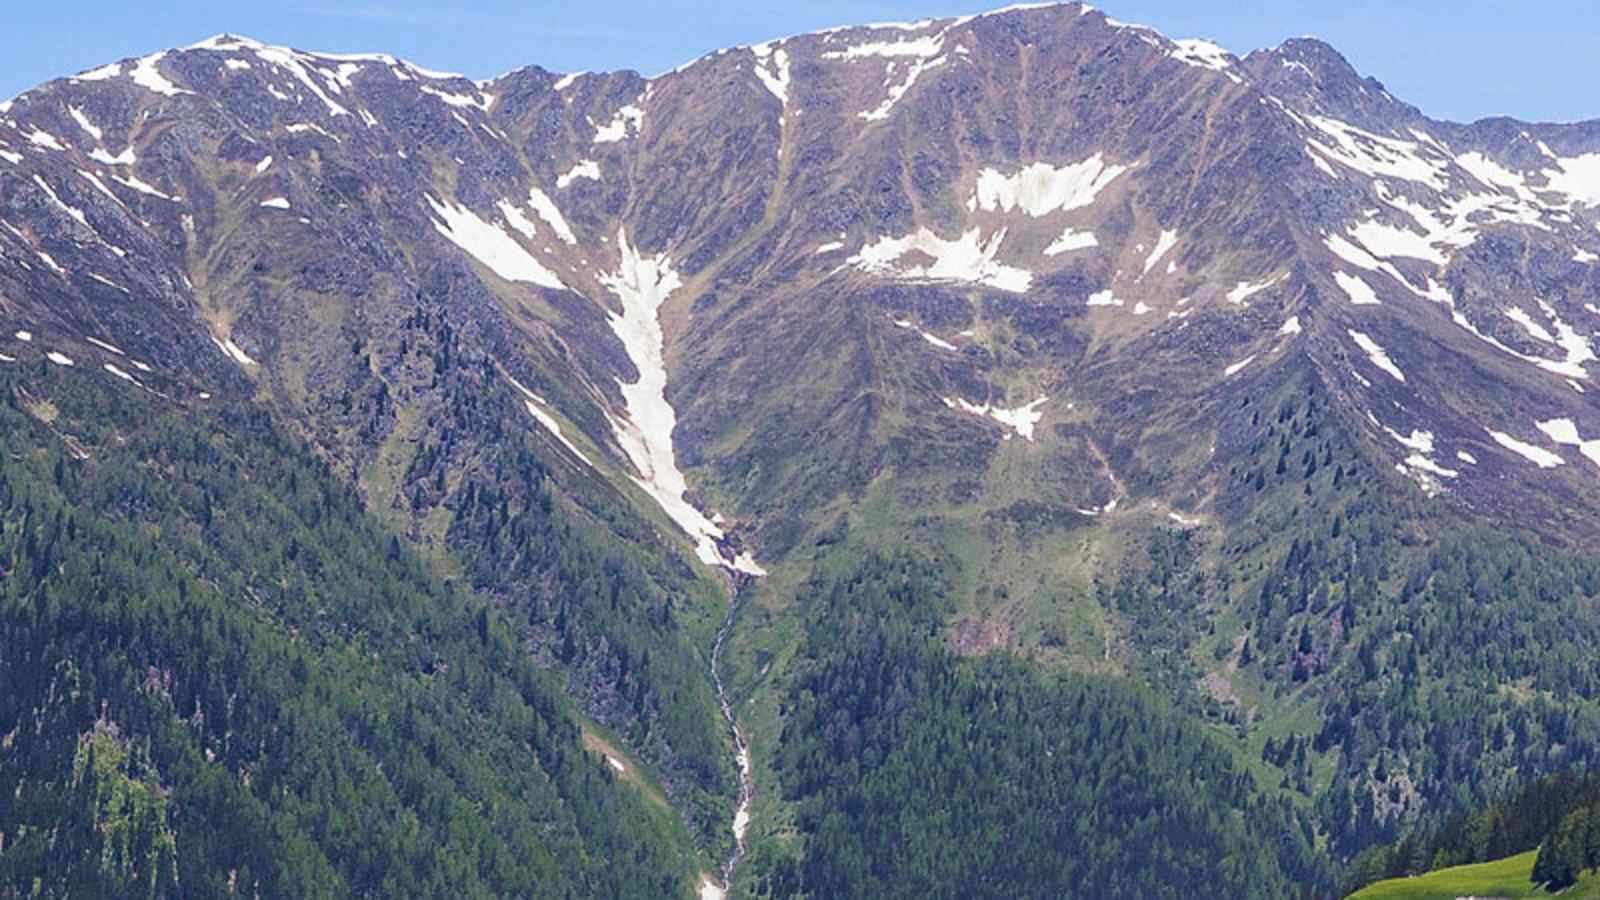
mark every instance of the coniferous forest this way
{"type": "Point", "coordinates": [222, 679]}
{"type": "Point", "coordinates": [223, 675]}
{"type": "Point", "coordinates": [1558, 815]}
{"type": "Point", "coordinates": [920, 774]}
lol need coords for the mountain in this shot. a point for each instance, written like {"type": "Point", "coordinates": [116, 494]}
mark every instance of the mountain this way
{"type": "Point", "coordinates": [1234, 380]}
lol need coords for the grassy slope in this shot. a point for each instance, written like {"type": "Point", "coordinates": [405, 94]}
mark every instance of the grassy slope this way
{"type": "Point", "coordinates": [1508, 878]}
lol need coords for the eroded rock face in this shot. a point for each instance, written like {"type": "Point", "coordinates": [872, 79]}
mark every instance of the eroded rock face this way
{"type": "Point", "coordinates": [884, 242]}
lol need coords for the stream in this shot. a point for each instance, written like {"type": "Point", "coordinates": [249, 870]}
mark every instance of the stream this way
{"type": "Point", "coordinates": [741, 747]}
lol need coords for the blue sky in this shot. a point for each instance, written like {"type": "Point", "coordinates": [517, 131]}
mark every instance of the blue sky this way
{"type": "Point", "coordinates": [1456, 59]}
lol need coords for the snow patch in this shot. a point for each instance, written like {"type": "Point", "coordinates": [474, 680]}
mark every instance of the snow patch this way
{"type": "Point", "coordinates": [46, 140]}
{"type": "Point", "coordinates": [1534, 329]}
{"type": "Point", "coordinates": [1290, 326]}
{"type": "Point", "coordinates": [1576, 346]}
{"type": "Point", "coordinates": [1577, 178]}
{"type": "Point", "coordinates": [933, 339]}
{"type": "Point", "coordinates": [1565, 432]}
{"type": "Point", "coordinates": [95, 276]}
{"type": "Point", "coordinates": [1426, 473]}
{"type": "Point", "coordinates": [586, 169]}
{"type": "Point", "coordinates": [1573, 344]}
{"type": "Point", "coordinates": [1435, 232]}
{"type": "Point", "coordinates": [1419, 465]}
{"type": "Point", "coordinates": [490, 245]}
{"type": "Point", "coordinates": [920, 47]}
{"type": "Point", "coordinates": [1358, 256]}
{"type": "Point", "coordinates": [965, 259]}
{"type": "Point", "coordinates": [105, 346]}
{"type": "Point", "coordinates": [643, 284]}
{"type": "Point", "coordinates": [922, 52]}
{"type": "Point", "coordinates": [1374, 155]}
{"type": "Point", "coordinates": [88, 127]}
{"type": "Point", "coordinates": [1419, 462]}
{"type": "Point", "coordinates": [772, 67]}
{"type": "Point", "coordinates": [104, 73]}
{"type": "Point", "coordinates": [1377, 355]}
{"type": "Point", "coordinates": [1492, 174]}
{"type": "Point", "coordinates": [535, 405]}
{"type": "Point", "coordinates": [50, 261]}
{"type": "Point", "coordinates": [147, 75]}
{"type": "Point", "coordinates": [233, 351]}
{"type": "Point", "coordinates": [1238, 367]}
{"type": "Point", "coordinates": [133, 181]}
{"type": "Point", "coordinates": [1244, 290]}
{"type": "Point", "coordinates": [59, 359]}
{"type": "Point", "coordinates": [1072, 240]}
{"type": "Point", "coordinates": [296, 64]}
{"type": "Point", "coordinates": [101, 187]}
{"type": "Point", "coordinates": [519, 221]}
{"type": "Point", "coordinates": [1360, 293]}
{"type": "Point", "coordinates": [72, 211]}
{"type": "Point", "coordinates": [303, 127]}
{"type": "Point", "coordinates": [1019, 420]}
{"type": "Point", "coordinates": [551, 214]}
{"type": "Point", "coordinates": [1167, 241]}
{"type": "Point", "coordinates": [1109, 507]}
{"type": "Point", "coordinates": [1041, 188]}
{"type": "Point", "coordinates": [343, 76]}
{"type": "Point", "coordinates": [1205, 55]}
{"type": "Point", "coordinates": [617, 128]}
{"type": "Point", "coordinates": [460, 101]}
{"type": "Point", "coordinates": [125, 158]}
{"type": "Point", "coordinates": [276, 203]}
{"type": "Point", "coordinates": [1419, 440]}
{"type": "Point", "coordinates": [1539, 456]}
{"type": "Point", "coordinates": [1389, 240]}
{"type": "Point", "coordinates": [897, 91]}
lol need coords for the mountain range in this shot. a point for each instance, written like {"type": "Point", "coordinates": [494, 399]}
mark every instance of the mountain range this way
{"type": "Point", "coordinates": [1024, 373]}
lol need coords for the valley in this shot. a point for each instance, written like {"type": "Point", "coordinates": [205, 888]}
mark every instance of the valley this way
{"type": "Point", "coordinates": [840, 466]}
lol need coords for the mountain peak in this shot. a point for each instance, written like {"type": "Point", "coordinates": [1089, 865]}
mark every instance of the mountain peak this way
{"type": "Point", "coordinates": [145, 68]}
{"type": "Point", "coordinates": [1310, 74]}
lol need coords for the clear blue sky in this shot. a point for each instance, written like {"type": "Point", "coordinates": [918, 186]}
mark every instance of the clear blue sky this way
{"type": "Point", "coordinates": [1457, 59]}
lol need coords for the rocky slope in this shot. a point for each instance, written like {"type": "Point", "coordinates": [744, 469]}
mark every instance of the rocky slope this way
{"type": "Point", "coordinates": [1018, 286]}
